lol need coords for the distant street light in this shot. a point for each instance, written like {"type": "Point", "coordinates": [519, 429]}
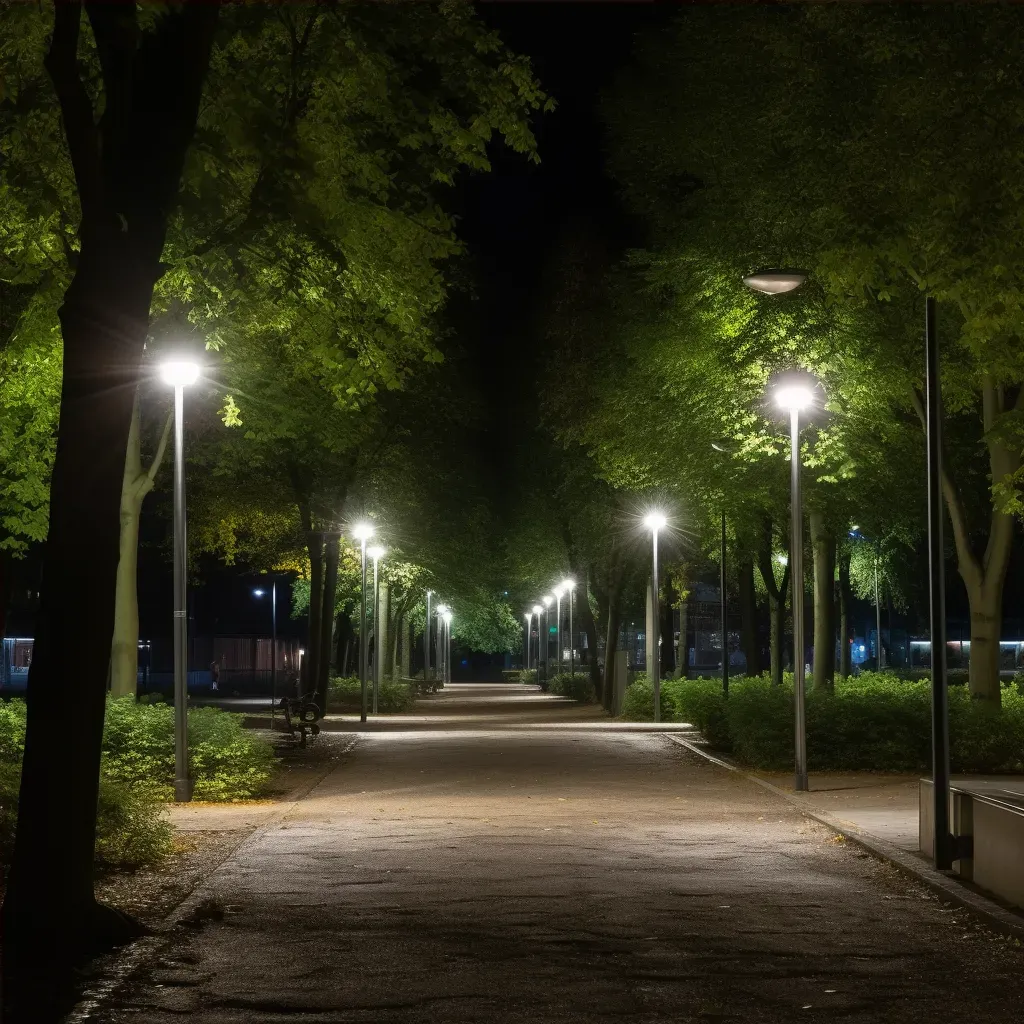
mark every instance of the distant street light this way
{"type": "Point", "coordinates": [655, 521]}
{"type": "Point", "coordinates": [447, 646]}
{"type": "Point", "coordinates": [376, 553]}
{"type": "Point", "coordinates": [547, 600]}
{"type": "Point", "coordinates": [180, 375]}
{"type": "Point", "coordinates": [362, 532]}
{"type": "Point", "coordinates": [529, 622]}
{"type": "Point", "coordinates": [426, 642]}
{"type": "Point", "coordinates": [259, 592]}
{"type": "Point", "coordinates": [570, 586]}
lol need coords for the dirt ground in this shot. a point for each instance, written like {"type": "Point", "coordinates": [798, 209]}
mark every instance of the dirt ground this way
{"type": "Point", "coordinates": [543, 871]}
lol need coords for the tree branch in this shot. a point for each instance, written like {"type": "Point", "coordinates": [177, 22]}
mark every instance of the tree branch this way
{"type": "Point", "coordinates": [161, 448]}
{"type": "Point", "coordinates": [61, 63]}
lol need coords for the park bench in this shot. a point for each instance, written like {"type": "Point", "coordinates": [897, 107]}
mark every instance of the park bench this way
{"type": "Point", "coordinates": [301, 716]}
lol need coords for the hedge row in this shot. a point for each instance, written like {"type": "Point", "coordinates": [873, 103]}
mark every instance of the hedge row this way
{"type": "Point", "coordinates": [393, 696]}
{"type": "Point", "coordinates": [873, 721]}
{"type": "Point", "coordinates": [576, 687]}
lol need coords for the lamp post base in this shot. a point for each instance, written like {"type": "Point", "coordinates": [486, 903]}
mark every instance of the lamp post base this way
{"type": "Point", "coordinates": [182, 791]}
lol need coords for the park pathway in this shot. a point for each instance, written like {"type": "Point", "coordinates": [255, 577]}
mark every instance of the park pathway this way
{"type": "Point", "coordinates": [520, 861]}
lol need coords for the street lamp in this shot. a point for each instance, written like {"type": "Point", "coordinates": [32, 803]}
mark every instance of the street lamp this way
{"type": "Point", "coordinates": [362, 533]}
{"type": "Point", "coordinates": [547, 600]}
{"type": "Point", "coordinates": [558, 592]}
{"type": "Point", "coordinates": [537, 609]}
{"type": "Point", "coordinates": [440, 642]}
{"type": "Point", "coordinates": [259, 592]}
{"type": "Point", "coordinates": [376, 553]}
{"type": "Point", "coordinates": [795, 397]}
{"type": "Point", "coordinates": [775, 282]}
{"type": "Point", "coordinates": [529, 622]}
{"type": "Point", "coordinates": [180, 374]}
{"type": "Point", "coordinates": [655, 521]}
{"type": "Point", "coordinates": [426, 642]}
{"type": "Point", "coordinates": [447, 646]}
{"type": "Point", "coordinates": [570, 586]}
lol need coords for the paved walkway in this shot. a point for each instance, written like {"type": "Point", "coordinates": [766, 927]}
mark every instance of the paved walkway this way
{"type": "Point", "coordinates": [560, 874]}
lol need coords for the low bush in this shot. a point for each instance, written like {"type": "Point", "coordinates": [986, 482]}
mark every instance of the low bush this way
{"type": "Point", "coordinates": [393, 695]}
{"type": "Point", "coordinates": [638, 701]}
{"type": "Point", "coordinates": [528, 675]}
{"type": "Point", "coordinates": [226, 762]}
{"type": "Point", "coordinates": [874, 721]}
{"type": "Point", "coordinates": [577, 686]}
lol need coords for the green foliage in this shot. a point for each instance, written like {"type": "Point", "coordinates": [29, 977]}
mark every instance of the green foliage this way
{"type": "Point", "coordinates": [528, 676]}
{"type": "Point", "coordinates": [393, 696]}
{"type": "Point", "coordinates": [874, 721]}
{"type": "Point", "coordinates": [638, 701]}
{"type": "Point", "coordinates": [578, 687]}
{"type": "Point", "coordinates": [226, 761]}
{"type": "Point", "coordinates": [130, 828]}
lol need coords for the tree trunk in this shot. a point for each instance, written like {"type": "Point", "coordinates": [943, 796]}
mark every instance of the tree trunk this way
{"type": "Point", "coordinates": [330, 587]}
{"type": "Point", "coordinates": [845, 602]}
{"type": "Point", "coordinates": [136, 484]}
{"type": "Point", "coordinates": [683, 655]}
{"type": "Point", "coordinates": [340, 642]}
{"type": "Point", "coordinates": [823, 544]}
{"type": "Point", "coordinates": [584, 616]}
{"type": "Point", "coordinates": [408, 635]}
{"type": "Point", "coordinates": [311, 663]}
{"type": "Point", "coordinates": [776, 599]}
{"type": "Point", "coordinates": [611, 643]}
{"type": "Point", "coordinates": [986, 602]}
{"type": "Point", "coordinates": [748, 615]}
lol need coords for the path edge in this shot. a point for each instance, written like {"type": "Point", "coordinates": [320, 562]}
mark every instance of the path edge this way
{"type": "Point", "coordinates": [945, 886]}
{"type": "Point", "coordinates": [116, 969]}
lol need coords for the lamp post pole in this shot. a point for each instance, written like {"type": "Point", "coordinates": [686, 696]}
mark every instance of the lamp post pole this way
{"type": "Point", "coordinates": [376, 631]}
{"type": "Point", "coordinates": [655, 627]}
{"type": "Point", "coordinates": [362, 628]}
{"type": "Point", "coordinates": [182, 782]}
{"type": "Point", "coordinates": [558, 630]}
{"type": "Point", "coordinates": [943, 849]}
{"type": "Point", "coordinates": [797, 580]}
{"type": "Point", "coordinates": [725, 620]}
{"type": "Point", "coordinates": [426, 642]}
{"type": "Point", "coordinates": [878, 619]}
{"type": "Point", "coordinates": [529, 623]}
{"type": "Point", "coordinates": [572, 646]}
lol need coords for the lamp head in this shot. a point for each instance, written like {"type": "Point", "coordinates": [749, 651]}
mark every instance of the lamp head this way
{"type": "Point", "coordinates": [655, 521]}
{"type": "Point", "coordinates": [569, 584]}
{"type": "Point", "coordinates": [537, 609]}
{"type": "Point", "coordinates": [447, 618]}
{"type": "Point", "coordinates": [363, 531]}
{"type": "Point", "coordinates": [548, 600]}
{"type": "Point", "coordinates": [558, 591]}
{"type": "Point", "coordinates": [258, 592]}
{"type": "Point", "coordinates": [782, 559]}
{"type": "Point", "coordinates": [794, 397]}
{"type": "Point", "coordinates": [179, 373]}
{"type": "Point", "coordinates": [442, 609]}
{"type": "Point", "coordinates": [376, 552]}
{"type": "Point", "coordinates": [775, 282]}
{"type": "Point", "coordinates": [527, 616]}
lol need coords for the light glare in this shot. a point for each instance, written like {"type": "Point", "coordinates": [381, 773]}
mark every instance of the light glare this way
{"type": "Point", "coordinates": [376, 552]}
{"type": "Point", "coordinates": [568, 584]}
{"type": "Point", "coordinates": [537, 609]}
{"type": "Point", "coordinates": [548, 600]}
{"type": "Point", "coordinates": [775, 282]}
{"type": "Point", "coordinates": [794, 397]}
{"type": "Point", "coordinates": [364, 531]}
{"type": "Point", "coordinates": [179, 373]}
{"type": "Point", "coordinates": [655, 521]}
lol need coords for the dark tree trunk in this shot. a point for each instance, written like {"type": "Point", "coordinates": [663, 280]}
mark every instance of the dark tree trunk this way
{"type": "Point", "coordinates": [342, 633]}
{"type": "Point", "coordinates": [311, 665]}
{"type": "Point", "coordinates": [611, 642]}
{"type": "Point", "coordinates": [748, 615]}
{"type": "Point", "coordinates": [127, 168]}
{"type": "Point", "coordinates": [776, 600]}
{"type": "Point", "coordinates": [823, 545]}
{"type": "Point", "coordinates": [845, 602]}
{"type": "Point", "coordinates": [327, 619]}
{"type": "Point", "coordinates": [584, 616]}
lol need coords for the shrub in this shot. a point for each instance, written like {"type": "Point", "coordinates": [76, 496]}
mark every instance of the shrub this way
{"type": "Point", "coordinates": [226, 762]}
{"type": "Point", "coordinates": [701, 703]}
{"type": "Point", "coordinates": [638, 701]}
{"type": "Point", "coordinates": [577, 686]}
{"type": "Point", "coordinates": [528, 675]}
{"type": "Point", "coordinates": [393, 695]}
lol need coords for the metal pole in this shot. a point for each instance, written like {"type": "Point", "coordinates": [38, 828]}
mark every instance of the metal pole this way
{"type": "Point", "coordinates": [526, 662]}
{"type": "Point", "coordinates": [376, 636]}
{"type": "Point", "coordinates": [273, 652]}
{"type": "Point", "coordinates": [362, 632]}
{"type": "Point", "coordinates": [725, 621]}
{"type": "Point", "coordinates": [426, 642]}
{"type": "Point", "coordinates": [182, 782]}
{"type": "Point", "coordinates": [655, 629]}
{"type": "Point", "coordinates": [572, 645]}
{"type": "Point", "coordinates": [878, 619]}
{"type": "Point", "coordinates": [796, 556]}
{"type": "Point", "coordinates": [943, 848]}
{"type": "Point", "coordinates": [558, 634]}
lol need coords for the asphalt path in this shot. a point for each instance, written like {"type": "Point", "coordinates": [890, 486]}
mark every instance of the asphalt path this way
{"type": "Point", "coordinates": [559, 871]}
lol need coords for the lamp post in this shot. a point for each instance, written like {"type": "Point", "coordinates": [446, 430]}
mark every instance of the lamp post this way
{"type": "Point", "coordinates": [547, 600]}
{"type": "Point", "coordinates": [537, 609]}
{"type": "Point", "coordinates": [795, 398]}
{"type": "Point", "coordinates": [529, 621]}
{"type": "Point", "coordinates": [362, 533]}
{"type": "Point", "coordinates": [180, 375]}
{"type": "Point", "coordinates": [259, 592]}
{"type": "Point", "coordinates": [442, 643]}
{"type": "Point", "coordinates": [558, 591]}
{"type": "Point", "coordinates": [655, 521]}
{"type": "Point", "coordinates": [725, 620]}
{"type": "Point", "coordinates": [447, 646]}
{"type": "Point", "coordinates": [376, 553]}
{"type": "Point", "coordinates": [426, 642]}
{"type": "Point", "coordinates": [570, 586]}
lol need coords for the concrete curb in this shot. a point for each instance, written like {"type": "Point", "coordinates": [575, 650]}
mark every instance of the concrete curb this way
{"type": "Point", "coordinates": [947, 887]}
{"type": "Point", "coordinates": [117, 968]}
